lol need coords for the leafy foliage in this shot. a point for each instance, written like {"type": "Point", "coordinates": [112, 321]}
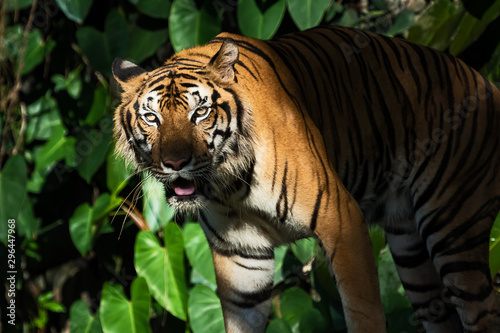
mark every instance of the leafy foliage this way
{"type": "Point", "coordinates": [79, 209]}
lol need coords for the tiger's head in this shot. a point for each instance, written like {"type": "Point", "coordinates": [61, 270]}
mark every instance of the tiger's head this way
{"type": "Point", "coordinates": [186, 123]}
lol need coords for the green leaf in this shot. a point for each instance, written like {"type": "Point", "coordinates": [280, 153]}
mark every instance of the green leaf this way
{"type": "Point", "coordinates": [144, 43]}
{"type": "Point", "coordinates": [254, 23]}
{"type": "Point", "coordinates": [495, 247]}
{"type": "Point", "coordinates": [377, 236]}
{"type": "Point", "coordinates": [154, 8]}
{"type": "Point", "coordinates": [58, 147]}
{"type": "Point", "coordinates": [10, 5]}
{"type": "Point", "coordinates": [402, 22]}
{"type": "Point", "coordinates": [99, 106]}
{"type": "Point", "coordinates": [102, 47]}
{"type": "Point", "coordinates": [294, 304]}
{"type": "Point", "coordinates": [13, 188]}
{"type": "Point", "coordinates": [279, 260]}
{"type": "Point", "coordinates": [117, 172]}
{"type": "Point", "coordinates": [350, 18]}
{"type": "Point", "coordinates": [304, 249]}
{"type": "Point", "coordinates": [198, 251]}
{"type": "Point", "coordinates": [442, 36]}
{"type": "Point", "coordinates": [81, 321]}
{"type": "Point", "coordinates": [492, 69]}
{"type": "Point", "coordinates": [72, 84]}
{"type": "Point", "coordinates": [396, 305]}
{"type": "Point", "coordinates": [91, 150]}
{"type": "Point", "coordinates": [278, 326]}
{"type": "Point", "coordinates": [391, 289]}
{"type": "Point", "coordinates": [28, 225]}
{"type": "Point", "coordinates": [43, 119]}
{"type": "Point", "coordinates": [36, 49]}
{"type": "Point", "coordinates": [54, 306]}
{"type": "Point", "coordinates": [121, 315]}
{"type": "Point", "coordinates": [307, 13]}
{"type": "Point", "coordinates": [190, 26]}
{"type": "Point", "coordinates": [312, 322]}
{"type": "Point", "coordinates": [157, 212]}
{"type": "Point", "coordinates": [470, 28]}
{"type": "Point", "coordinates": [430, 21]}
{"type": "Point", "coordinates": [80, 228]}
{"type": "Point", "coordinates": [75, 10]}
{"type": "Point", "coordinates": [205, 311]}
{"type": "Point", "coordinates": [93, 44]}
{"type": "Point", "coordinates": [163, 268]}
{"type": "Point", "coordinates": [81, 224]}
{"type": "Point", "coordinates": [115, 30]}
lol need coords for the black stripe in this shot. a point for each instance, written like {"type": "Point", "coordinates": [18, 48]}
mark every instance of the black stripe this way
{"type": "Point", "coordinates": [465, 266]}
{"type": "Point", "coordinates": [250, 268]}
{"type": "Point", "coordinates": [412, 260]}
{"type": "Point", "coordinates": [265, 253]}
{"type": "Point", "coordinates": [420, 288]}
{"type": "Point", "coordinates": [251, 299]}
{"type": "Point", "coordinates": [314, 217]}
{"type": "Point", "coordinates": [282, 203]}
{"type": "Point", "coordinates": [204, 220]}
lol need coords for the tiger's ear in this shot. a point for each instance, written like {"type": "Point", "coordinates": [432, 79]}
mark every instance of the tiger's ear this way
{"type": "Point", "coordinates": [124, 71]}
{"type": "Point", "coordinates": [223, 61]}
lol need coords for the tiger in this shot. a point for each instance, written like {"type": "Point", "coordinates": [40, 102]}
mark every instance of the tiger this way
{"type": "Point", "coordinates": [321, 133]}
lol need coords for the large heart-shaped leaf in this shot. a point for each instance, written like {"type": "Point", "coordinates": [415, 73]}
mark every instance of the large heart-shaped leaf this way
{"type": "Point", "coordinates": [198, 251]}
{"type": "Point", "coordinates": [44, 119]}
{"type": "Point", "coordinates": [255, 23]}
{"type": "Point", "coordinates": [117, 173]}
{"type": "Point", "coordinates": [9, 5]}
{"type": "Point", "coordinates": [81, 320]}
{"type": "Point", "coordinates": [163, 268]}
{"type": "Point", "coordinates": [190, 26]}
{"type": "Point", "coordinates": [278, 325]}
{"type": "Point", "coordinates": [121, 315]}
{"type": "Point", "coordinates": [13, 188]}
{"type": "Point", "coordinates": [307, 13]}
{"type": "Point", "coordinates": [81, 224]}
{"type": "Point", "coordinates": [294, 303]}
{"type": "Point", "coordinates": [205, 311]}
{"type": "Point", "coordinates": [153, 8]}
{"type": "Point", "coordinates": [102, 47]}
{"type": "Point", "coordinates": [75, 10]}
{"type": "Point", "coordinates": [156, 211]}
{"type": "Point", "coordinates": [144, 43]}
{"type": "Point", "coordinates": [58, 147]}
{"type": "Point", "coordinates": [304, 249]}
{"type": "Point", "coordinates": [91, 149]}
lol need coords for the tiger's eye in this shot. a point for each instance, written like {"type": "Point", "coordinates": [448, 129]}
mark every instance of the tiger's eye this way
{"type": "Point", "coordinates": [150, 117]}
{"type": "Point", "coordinates": [202, 111]}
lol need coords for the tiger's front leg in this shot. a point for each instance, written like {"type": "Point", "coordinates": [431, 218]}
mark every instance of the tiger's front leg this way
{"type": "Point", "coordinates": [341, 229]}
{"type": "Point", "coordinates": [244, 285]}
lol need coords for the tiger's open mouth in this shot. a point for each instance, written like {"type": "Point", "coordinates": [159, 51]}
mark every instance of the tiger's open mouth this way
{"type": "Point", "coordinates": [184, 194]}
{"type": "Point", "coordinates": [183, 187]}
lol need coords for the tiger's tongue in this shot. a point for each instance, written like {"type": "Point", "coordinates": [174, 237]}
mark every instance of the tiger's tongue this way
{"type": "Point", "coordinates": [183, 188]}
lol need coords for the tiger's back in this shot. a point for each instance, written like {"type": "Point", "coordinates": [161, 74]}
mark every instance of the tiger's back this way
{"type": "Point", "coordinates": [413, 134]}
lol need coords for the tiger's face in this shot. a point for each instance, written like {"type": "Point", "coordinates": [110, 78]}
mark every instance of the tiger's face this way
{"type": "Point", "coordinates": [182, 122]}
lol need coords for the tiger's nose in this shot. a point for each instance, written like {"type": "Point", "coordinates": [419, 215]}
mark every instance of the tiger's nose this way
{"type": "Point", "coordinates": [176, 165]}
